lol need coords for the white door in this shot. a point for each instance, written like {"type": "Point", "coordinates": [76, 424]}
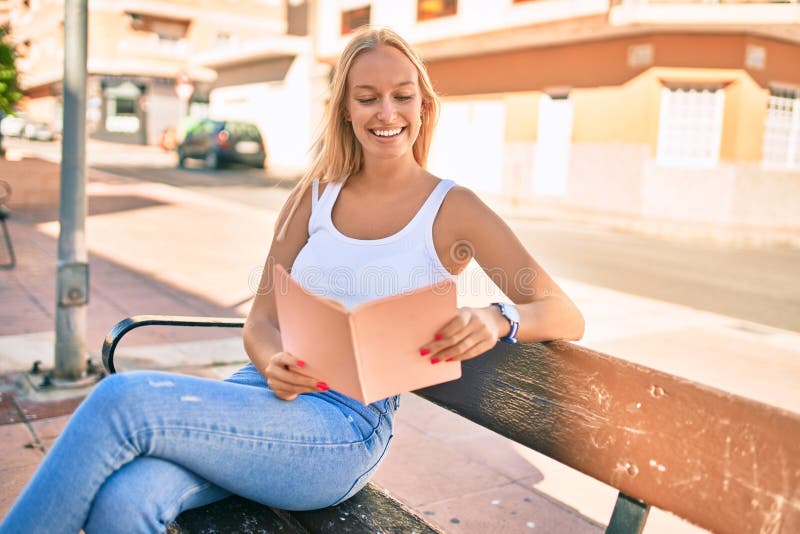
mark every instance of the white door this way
{"type": "Point", "coordinates": [468, 144]}
{"type": "Point", "coordinates": [551, 163]}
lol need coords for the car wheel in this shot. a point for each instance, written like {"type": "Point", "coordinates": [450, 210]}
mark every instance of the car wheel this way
{"type": "Point", "coordinates": [211, 160]}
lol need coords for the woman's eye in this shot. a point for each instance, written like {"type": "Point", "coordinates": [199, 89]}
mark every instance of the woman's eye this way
{"type": "Point", "coordinates": [404, 98]}
{"type": "Point", "coordinates": [365, 100]}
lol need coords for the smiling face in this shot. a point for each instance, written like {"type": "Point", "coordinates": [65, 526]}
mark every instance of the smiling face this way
{"type": "Point", "coordinates": [383, 103]}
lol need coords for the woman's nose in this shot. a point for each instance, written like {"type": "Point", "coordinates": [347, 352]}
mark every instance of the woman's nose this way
{"type": "Point", "coordinates": [387, 111]}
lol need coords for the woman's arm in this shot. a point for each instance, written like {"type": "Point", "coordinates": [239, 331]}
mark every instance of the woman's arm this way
{"type": "Point", "coordinates": [261, 335]}
{"type": "Point", "coordinates": [546, 312]}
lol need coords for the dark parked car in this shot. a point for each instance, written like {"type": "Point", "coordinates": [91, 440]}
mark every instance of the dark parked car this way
{"type": "Point", "coordinates": [220, 142]}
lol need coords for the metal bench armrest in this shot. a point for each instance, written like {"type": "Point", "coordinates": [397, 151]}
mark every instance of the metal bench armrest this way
{"type": "Point", "coordinates": [129, 323]}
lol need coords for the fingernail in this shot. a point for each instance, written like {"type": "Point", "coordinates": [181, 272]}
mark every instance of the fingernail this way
{"type": "Point", "coordinates": [449, 360]}
{"type": "Point", "coordinates": [323, 386]}
{"type": "Point", "coordinates": [434, 360]}
{"type": "Point", "coordinates": [423, 352]}
{"type": "Point", "coordinates": [300, 363]}
{"type": "Point", "coordinates": [437, 337]}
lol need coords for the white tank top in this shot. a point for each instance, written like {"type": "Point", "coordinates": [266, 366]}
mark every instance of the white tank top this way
{"type": "Point", "coordinates": [351, 270]}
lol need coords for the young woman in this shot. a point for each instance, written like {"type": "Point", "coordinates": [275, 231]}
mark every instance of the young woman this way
{"type": "Point", "coordinates": [366, 221]}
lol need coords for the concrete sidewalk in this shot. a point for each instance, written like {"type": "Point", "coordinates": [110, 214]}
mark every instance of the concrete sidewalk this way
{"type": "Point", "coordinates": [157, 249]}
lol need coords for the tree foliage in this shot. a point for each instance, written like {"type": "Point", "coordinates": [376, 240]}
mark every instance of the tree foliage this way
{"type": "Point", "coordinates": [9, 82]}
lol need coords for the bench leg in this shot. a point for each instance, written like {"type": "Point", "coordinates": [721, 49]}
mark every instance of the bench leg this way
{"type": "Point", "coordinates": [12, 259]}
{"type": "Point", "coordinates": [628, 517]}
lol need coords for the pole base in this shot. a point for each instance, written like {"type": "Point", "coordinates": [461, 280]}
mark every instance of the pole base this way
{"type": "Point", "coordinates": [40, 383]}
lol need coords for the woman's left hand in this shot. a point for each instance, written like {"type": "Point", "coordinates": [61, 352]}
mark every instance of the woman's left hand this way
{"type": "Point", "coordinates": [471, 333]}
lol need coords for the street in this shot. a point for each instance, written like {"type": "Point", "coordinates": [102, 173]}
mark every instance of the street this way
{"type": "Point", "coordinates": [758, 285]}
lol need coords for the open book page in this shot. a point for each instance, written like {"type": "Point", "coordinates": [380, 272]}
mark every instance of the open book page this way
{"type": "Point", "coordinates": [389, 333]}
{"type": "Point", "coordinates": [316, 330]}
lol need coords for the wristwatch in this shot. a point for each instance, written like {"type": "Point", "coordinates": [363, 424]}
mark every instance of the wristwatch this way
{"type": "Point", "coordinates": [511, 314]}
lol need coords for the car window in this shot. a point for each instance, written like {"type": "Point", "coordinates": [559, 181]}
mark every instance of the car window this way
{"type": "Point", "coordinates": [210, 127]}
{"type": "Point", "coordinates": [234, 129]}
{"type": "Point", "coordinates": [194, 128]}
{"type": "Point", "coordinates": [252, 132]}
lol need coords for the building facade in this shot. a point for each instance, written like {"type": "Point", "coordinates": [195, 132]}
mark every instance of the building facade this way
{"type": "Point", "coordinates": [238, 55]}
{"type": "Point", "coordinates": [666, 110]}
{"type": "Point", "coordinates": [274, 80]}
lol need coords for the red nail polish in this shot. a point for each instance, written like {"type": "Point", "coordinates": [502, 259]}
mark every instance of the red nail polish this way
{"type": "Point", "coordinates": [300, 363]}
{"type": "Point", "coordinates": [323, 386]}
{"type": "Point", "coordinates": [437, 337]}
{"type": "Point", "coordinates": [434, 360]}
{"type": "Point", "coordinates": [423, 352]}
{"type": "Point", "coordinates": [449, 360]}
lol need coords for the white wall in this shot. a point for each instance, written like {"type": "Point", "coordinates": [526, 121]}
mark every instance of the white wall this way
{"type": "Point", "coordinates": [284, 112]}
{"type": "Point", "coordinates": [468, 144]}
{"type": "Point", "coordinates": [163, 111]}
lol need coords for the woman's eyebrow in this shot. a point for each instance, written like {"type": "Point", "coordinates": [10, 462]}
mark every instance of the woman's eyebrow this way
{"type": "Point", "coordinates": [373, 88]}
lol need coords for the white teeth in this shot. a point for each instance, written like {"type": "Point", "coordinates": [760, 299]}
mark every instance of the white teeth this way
{"type": "Point", "coordinates": [387, 133]}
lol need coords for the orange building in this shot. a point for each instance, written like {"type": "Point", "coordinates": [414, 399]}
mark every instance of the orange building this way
{"type": "Point", "coordinates": [674, 111]}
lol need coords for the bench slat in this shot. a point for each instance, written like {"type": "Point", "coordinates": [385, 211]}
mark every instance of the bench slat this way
{"type": "Point", "coordinates": [369, 510]}
{"type": "Point", "coordinates": [726, 463]}
{"type": "Point", "coordinates": [234, 515]}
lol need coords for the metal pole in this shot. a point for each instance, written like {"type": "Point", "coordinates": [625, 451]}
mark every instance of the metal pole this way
{"type": "Point", "coordinates": [72, 279]}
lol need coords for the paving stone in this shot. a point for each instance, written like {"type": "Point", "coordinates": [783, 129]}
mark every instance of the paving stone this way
{"type": "Point", "coordinates": [509, 508]}
{"type": "Point", "coordinates": [481, 445]}
{"type": "Point", "coordinates": [421, 470]}
{"type": "Point", "coordinates": [47, 430]}
{"type": "Point", "coordinates": [8, 410]}
{"type": "Point", "coordinates": [8, 379]}
{"type": "Point", "coordinates": [439, 424]}
{"type": "Point", "coordinates": [17, 447]}
{"type": "Point", "coordinates": [501, 455]}
{"type": "Point", "coordinates": [12, 482]}
{"type": "Point", "coordinates": [33, 410]}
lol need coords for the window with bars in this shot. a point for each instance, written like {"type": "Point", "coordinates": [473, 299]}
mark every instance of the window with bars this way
{"type": "Point", "coordinates": [353, 19]}
{"type": "Point", "coordinates": [782, 129]}
{"type": "Point", "coordinates": [433, 9]}
{"type": "Point", "coordinates": [690, 126]}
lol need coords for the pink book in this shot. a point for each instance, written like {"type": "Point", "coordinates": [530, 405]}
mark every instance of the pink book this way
{"type": "Point", "coordinates": [372, 351]}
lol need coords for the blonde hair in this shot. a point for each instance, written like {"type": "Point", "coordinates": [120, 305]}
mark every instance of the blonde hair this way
{"type": "Point", "coordinates": [337, 151]}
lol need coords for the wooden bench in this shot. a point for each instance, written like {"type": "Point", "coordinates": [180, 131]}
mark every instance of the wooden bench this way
{"type": "Point", "coordinates": [722, 462]}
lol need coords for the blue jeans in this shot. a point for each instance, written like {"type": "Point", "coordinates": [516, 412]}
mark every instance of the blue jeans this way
{"type": "Point", "coordinates": [145, 446]}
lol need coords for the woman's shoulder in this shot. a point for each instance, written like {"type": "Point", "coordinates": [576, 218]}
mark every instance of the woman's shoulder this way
{"type": "Point", "coordinates": [463, 211]}
{"type": "Point", "coordinates": [459, 217]}
{"type": "Point", "coordinates": [461, 200]}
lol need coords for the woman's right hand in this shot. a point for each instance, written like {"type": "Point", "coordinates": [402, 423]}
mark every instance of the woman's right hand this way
{"type": "Point", "coordinates": [285, 379]}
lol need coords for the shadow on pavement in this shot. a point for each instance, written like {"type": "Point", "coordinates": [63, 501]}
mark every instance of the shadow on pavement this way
{"type": "Point", "coordinates": [225, 177]}
{"type": "Point", "coordinates": [98, 205]}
